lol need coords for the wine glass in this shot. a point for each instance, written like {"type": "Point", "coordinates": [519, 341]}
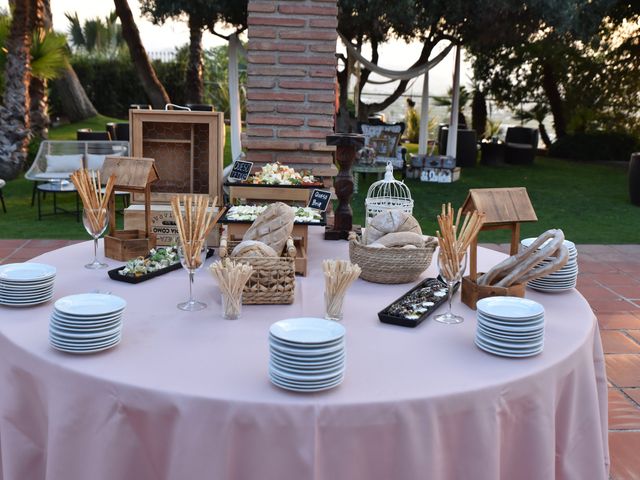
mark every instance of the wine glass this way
{"type": "Point", "coordinates": [95, 222]}
{"type": "Point", "coordinates": [192, 255]}
{"type": "Point", "coordinates": [451, 277]}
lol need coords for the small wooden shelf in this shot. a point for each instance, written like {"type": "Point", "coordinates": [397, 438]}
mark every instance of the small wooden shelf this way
{"type": "Point", "coordinates": [166, 140]}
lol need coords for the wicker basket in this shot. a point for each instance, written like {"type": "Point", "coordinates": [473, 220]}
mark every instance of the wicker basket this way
{"type": "Point", "coordinates": [274, 278]}
{"type": "Point", "coordinates": [390, 265]}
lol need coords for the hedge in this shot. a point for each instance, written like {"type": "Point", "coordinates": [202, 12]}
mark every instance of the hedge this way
{"type": "Point", "coordinates": [595, 146]}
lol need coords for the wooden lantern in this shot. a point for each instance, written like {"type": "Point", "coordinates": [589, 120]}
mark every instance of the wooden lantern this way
{"type": "Point", "coordinates": [133, 175]}
{"type": "Point", "coordinates": [504, 208]}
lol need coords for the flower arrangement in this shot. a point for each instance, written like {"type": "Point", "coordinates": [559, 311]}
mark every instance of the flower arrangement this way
{"type": "Point", "coordinates": [278, 174]}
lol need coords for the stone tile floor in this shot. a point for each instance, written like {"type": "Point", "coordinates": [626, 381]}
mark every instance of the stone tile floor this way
{"type": "Point", "coordinates": [609, 279]}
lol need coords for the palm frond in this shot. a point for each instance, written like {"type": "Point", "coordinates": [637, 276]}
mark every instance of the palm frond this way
{"type": "Point", "coordinates": [76, 35]}
{"type": "Point", "coordinates": [48, 54]}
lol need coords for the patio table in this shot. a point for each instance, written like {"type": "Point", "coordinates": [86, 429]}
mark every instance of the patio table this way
{"type": "Point", "coordinates": [186, 395]}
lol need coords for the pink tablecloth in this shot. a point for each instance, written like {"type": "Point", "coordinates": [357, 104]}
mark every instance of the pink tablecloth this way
{"type": "Point", "coordinates": [187, 396]}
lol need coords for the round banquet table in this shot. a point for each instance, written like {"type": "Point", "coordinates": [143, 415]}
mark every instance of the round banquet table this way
{"type": "Point", "coordinates": [186, 395]}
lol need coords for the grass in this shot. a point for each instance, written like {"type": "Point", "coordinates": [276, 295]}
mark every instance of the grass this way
{"type": "Point", "coordinates": [588, 201]}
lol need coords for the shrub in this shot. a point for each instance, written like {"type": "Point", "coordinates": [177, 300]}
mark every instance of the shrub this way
{"type": "Point", "coordinates": [595, 146]}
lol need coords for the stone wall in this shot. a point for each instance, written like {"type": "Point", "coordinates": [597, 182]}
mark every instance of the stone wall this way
{"type": "Point", "coordinates": [291, 89]}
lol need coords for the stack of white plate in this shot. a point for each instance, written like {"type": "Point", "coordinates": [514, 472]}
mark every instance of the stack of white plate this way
{"type": "Point", "coordinates": [86, 323]}
{"type": "Point", "coordinates": [307, 354]}
{"type": "Point", "coordinates": [510, 326]}
{"type": "Point", "coordinates": [25, 284]}
{"type": "Point", "coordinates": [560, 280]}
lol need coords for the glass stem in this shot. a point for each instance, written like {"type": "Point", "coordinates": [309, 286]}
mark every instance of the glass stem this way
{"type": "Point", "coordinates": [191, 275]}
{"type": "Point", "coordinates": [95, 250]}
{"type": "Point", "coordinates": [450, 293]}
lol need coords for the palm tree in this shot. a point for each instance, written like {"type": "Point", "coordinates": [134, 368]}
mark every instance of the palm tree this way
{"type": "Point", "coordinates": [96, 36]}
{"type": "Point", "coordinates": [464, 99]}
{"type": "Point", "coordinates": [536, 114]}
{"type": "Point", "coordinates": [48, 60]}
{"type": "Point", "coordinates": [158, 96]}
{"type": "Point", "coordinates": [14, 112]}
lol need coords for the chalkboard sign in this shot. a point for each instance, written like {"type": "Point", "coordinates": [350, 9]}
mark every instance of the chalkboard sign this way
{"type": "Point", "coordinates": [241, 170]}
{"type": "Point", "coordinates": [319, 199]}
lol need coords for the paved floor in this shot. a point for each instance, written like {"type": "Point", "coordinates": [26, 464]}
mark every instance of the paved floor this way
{"type": "Point", "coordinates": [609, 279]}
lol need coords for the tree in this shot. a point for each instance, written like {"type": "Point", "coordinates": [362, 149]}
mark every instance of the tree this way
{"type": "Point", "coordinates": [96, 36]}
{"type": "Point", "coordinates": [158, 96]}
{"type": "Point", "coordinates": [463, 101]}
{"type": "Point", "coordinates": [200, 15]}
{"type": "Point", "coordinates": [479, 112]}
{"type": "Point", "coordinates": [537, 113]}
{"type": "Point", "coordinates": [14, 111]}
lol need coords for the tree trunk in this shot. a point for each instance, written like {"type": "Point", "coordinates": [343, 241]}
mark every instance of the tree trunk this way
{"type": "Point", "coordinates": [39, 103]}
{"type": "Point", "coordinates": [544, 135]}
{"type": "Point", "coordinates": [552, 91]}
{"type": "Point", "coordinates": [150, 83]}
{"type": "Point", "coordinates": [76, 105]}
{"type": "Point", "coordinates": [195, 82]}
{"type": "Point", "coordinates": [479, 113]}
{"type": "Point", "coordinates": [14, 116]}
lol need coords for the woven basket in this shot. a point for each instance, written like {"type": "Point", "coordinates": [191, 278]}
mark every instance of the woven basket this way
{"type": "Point", "coordinates": [391, 265]}
{"type": "Point", "coordinates": [273, 280]}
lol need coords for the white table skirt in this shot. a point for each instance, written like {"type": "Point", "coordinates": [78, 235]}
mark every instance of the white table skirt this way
{"type": "Point", "coordinates": [187, 396]}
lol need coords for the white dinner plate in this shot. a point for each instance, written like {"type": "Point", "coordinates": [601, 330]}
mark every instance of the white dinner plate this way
{"type": "Point", "coordinates": [317, 361]}
{"type": "Point", "coordinates": [511, 346]}
{"type": "Point", "coordinates": [26, 296]}
{"type": "Point", "coordinates": [307, 330]}
{"type": "Point", "coordinates": [287, 343]}
{"type": "Point", "coordinates": [72, 335]}
{"type": "Point", "coordinates": [510, 329]}
{"type": "Point", "coordinates": [25, 288]}
{"type": "Point", "coordinates": [509, 308]}
{"type": "Point", "coordinates": [25, 304]}
{"type": "Point", "coordinates": [501, 353]}
{"type": "Point", "coordinates": [306, 352]}
{"type": "Point", "coordinates": [81, 350]}
{"type": "Point", "coordinates": [294, 388]}
{"type": "Point", "coordinates": [517, 322]}
{"type": "Point", "coordinates": [81, 320]}
{"type": "Point", "coordinates": [508, 336]}
{"type": "Point", "coordinates": [26, 272]}
{"type": "Point", "coordinates": [90, 304]}
{"type": "Point", "coordinates": [67, 343]}
{"type": "Point", "coordinates": [305, 377]}
{"type": "Point", "coordinates": [307, 369]}
{"type": "Point", "coordinates": [526, 242]}
{"type": "Point", "coordinates": [297, 383]}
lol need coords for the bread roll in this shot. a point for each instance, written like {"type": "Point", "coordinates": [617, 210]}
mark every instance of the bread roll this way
{"type": "Point", "coordinates": [391, 221]}
{"type": "Point", "coordinates": [400, 239]}
{"type": "Point", "coordinates": [252, 248]}
{"type": "Point", "coordinates": [273, 226]}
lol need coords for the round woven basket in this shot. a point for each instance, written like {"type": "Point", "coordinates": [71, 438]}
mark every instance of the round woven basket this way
{"type": "Point", "coordinates": [391, 265]}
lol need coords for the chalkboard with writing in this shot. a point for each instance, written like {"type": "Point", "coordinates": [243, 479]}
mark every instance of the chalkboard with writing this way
{"type": "Point", "coordinates": [241, 170]}
{"type": "Point", "coordinates": [319, 199]}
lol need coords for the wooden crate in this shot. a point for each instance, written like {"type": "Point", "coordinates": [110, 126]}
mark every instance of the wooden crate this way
{"type": "Point", "coordinates": [163, 224]}
{"type": "Point", "coordinates": [187, 147]}
{"type": "Point", "coordinates": [472, 292]}
{"type": "Point", "coordinates": [124, 245]}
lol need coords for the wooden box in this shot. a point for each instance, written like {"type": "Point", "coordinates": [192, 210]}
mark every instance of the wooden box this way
{"type": "Point", "coordinates": [472, 292]}
{"type": "Point", "coordinates": [187, 147]}
{"type": "Point", "coordinates": [124, 245]}
{"type": "Point", "coordinates": [163, 225]}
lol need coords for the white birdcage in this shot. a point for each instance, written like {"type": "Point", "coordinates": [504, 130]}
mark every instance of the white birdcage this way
{"type": "Point", "coordinates": [387, 194]}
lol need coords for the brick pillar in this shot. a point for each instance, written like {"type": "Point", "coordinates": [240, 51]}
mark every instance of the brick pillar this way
{"type": "Point", "coordinates": [291, 83]}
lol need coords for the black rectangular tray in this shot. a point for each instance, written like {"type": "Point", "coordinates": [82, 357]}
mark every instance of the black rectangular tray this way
{"type": "Point", "coordinates": [114, 275]}
{"type": "Point", "coordinates": [386, 317]}
{"type": "Point", "coordinates": [319, 186]}
{"type": "Point", "coordinates": [321, 223]}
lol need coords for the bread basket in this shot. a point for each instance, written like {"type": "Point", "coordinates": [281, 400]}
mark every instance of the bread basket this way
{"type": "Point", "coordinates": [274, 278]}
{"type": "Point", "coordinates": [393, 264]}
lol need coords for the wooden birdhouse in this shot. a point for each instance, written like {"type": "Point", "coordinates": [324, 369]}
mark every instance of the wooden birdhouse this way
{"type": "Point", "coordinates": [504, 208]}
{"type": "Point", "coordinates": [133, 175]}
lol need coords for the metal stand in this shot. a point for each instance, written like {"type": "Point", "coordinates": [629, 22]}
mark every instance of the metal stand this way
{"type": "Point", "coordinates": [347, 144]}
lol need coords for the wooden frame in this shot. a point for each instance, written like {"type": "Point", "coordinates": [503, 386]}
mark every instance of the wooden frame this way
{"type": "Point", "coordinates": [196, 139]}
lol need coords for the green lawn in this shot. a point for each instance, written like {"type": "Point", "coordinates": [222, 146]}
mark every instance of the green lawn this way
{"type": "Point", "coordinates": [588, 201]}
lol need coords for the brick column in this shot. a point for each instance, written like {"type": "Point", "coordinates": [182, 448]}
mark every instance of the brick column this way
{"type": "Point", "coordinates": [291, 83]}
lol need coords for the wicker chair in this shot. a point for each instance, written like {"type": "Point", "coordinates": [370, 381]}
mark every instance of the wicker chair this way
{"type": "Point", "coordinates": [521, 145]}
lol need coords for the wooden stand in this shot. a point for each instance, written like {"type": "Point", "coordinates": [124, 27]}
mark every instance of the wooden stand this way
{"type": "Point", "coordinates": [472, 292]}
{"type": "Point", "coordinates": [134, 175]}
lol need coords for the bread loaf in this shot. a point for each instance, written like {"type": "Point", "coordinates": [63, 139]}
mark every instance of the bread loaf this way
{"type": "Point", "coordinates": [252, 248]}
{"type": "Point", "coordinates": [273, 226]}
{"type": "Point", "coordinates": [400, 239]}
{"type": "Point", "coordinates": [390, 221]}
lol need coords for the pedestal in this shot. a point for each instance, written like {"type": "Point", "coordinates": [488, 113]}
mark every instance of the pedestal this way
{"type": "Point", "coordinates": [347, 144]}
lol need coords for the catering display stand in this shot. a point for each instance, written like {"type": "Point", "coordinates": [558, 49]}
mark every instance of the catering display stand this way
{"type": "Point", "coordinates": [504, 209]}
{"type": "Point", "coordinates": [134, 175]}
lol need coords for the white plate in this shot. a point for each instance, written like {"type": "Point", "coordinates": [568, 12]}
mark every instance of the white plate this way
{"type": "Point", "coordinates": [87, 343]}
{"type": "Point", "coordinates": [508, 345]}
{"type": "Point", "coordinates": [294, 388]}
{"type": "Point", "coordinates": [25, 304]}
{"type": "Point", "coordinates": [525, 330]}
{"type": "Point", "coordinates": [26, 272]}
{"type": "Point", "coordinates": [10, 287]}
{"type": "Point", "coordinates": [72, 335]}
{"type": "Point", "coordinates": [307, 330]}
{"type": "Point", "coordinates": [306, 369]}
{"type": "Point", "coordinates": [310, 361]}
{"type": "Point", "coordinates": [305, 383]}
{"type": "Point", "coordinates": [500, 353]}
{"type": "Point", "coordinates": [517, 322]}
{"type": "Point", "coordinates": [286, 343]}
{"type": "Point", "coordinates": [305, 377]}
{"type": "Point", "coordinates": [86, 319]}
{"type": "Point", "coordinates": [90, 304]}
{"type": "Point", "coordinates": [526, 242]}
{"type": "Point", "coordinates": [86, 350]}
{"type": "Point", "coordinates": [34, 296]}
{"type": "Point", "coordinates": [509, 336]}
{"type": "Point", "coordinates": [306, 352]}
{"type": "Point", "coordinates": [509, 308]}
